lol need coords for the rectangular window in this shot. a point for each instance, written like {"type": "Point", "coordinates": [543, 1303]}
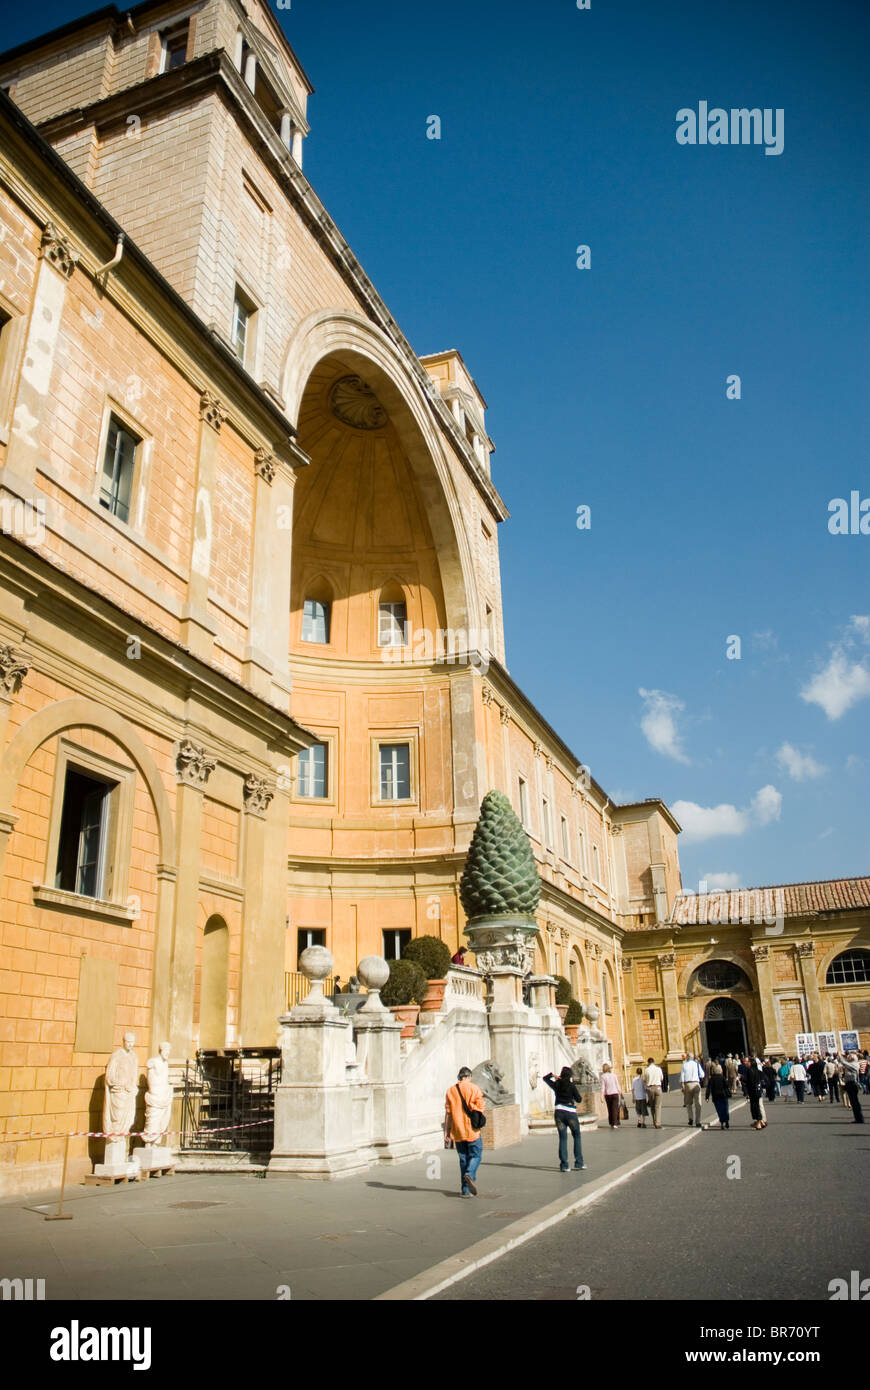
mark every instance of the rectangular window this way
{"type": "Point", "coordinates": [582, 844]}
{"type": "Point", "coordinates": [394, 943]}
{"type": "Point", "coordinates": [545, 821]}
{"type": "Point", "coordinates": [566, 842]}
{"type": "Point", "coordinates": [524, 801]}
{"type": "Point", "coordinates": [119, 464]}
{"type": "Point", "coordinates": [174, 50]}
{"type": "Point", "coordinates": [243, 329]}
{"type": "Point", "coordinates": [395, 765]}
{"type": "Point", "coordinates": [314, 771]}
{"type": "Point", "coordinates": [309, 936]}
{"type": "Point", "coordinates": [596, 865]}
{"type": "Point", "coordinates": [392, 625]}
{"type": "Point", "coordinates": [84, 832]}
{"type": "Point", "coordinates": [315, 621]}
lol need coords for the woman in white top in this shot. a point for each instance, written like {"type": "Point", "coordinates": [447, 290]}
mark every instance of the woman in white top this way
{"type": "Point", "coordinates": [612, 1093]}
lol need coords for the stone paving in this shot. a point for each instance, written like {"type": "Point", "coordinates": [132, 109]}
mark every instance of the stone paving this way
{"type": "Point", "coordinates": [235, 1236]}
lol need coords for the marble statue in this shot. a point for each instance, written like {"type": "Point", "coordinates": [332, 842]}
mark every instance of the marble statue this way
{"type": "Point", "coordinates": [488, 1076]}
{"type": "Point", "coordinates": [584, 1073]}
{"type": "Point", "coordinates": [119, 1109]}
{"type": "Point", "coordinates": [158, 1096]}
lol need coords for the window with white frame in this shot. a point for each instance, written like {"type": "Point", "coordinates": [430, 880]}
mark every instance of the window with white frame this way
{"type": "Point", "coordinates": [315, 620]}
{"type": "Point", "coordinates": [524, 801]}
{"type": "Point", "coordinates": [394, 761]}
{"type": "Point", "coordinates": [581, 841]}
{"type": "Point", "coordinates": [314, 771]}
{"type": "Point", "coordinates": [174, 47]}
{"type": "Point", "coordinates": [392, 624]}
{"type": "Point", "coordinates": [566, 841]}
{"type": "Point", "coordinates": [546, 834]}
{"type": "Point", "coordinates": [119, 466]}
{"type": "Point", "coordinates": [596, 864]}
{"type": "Point", "coordinates": [393, 941]}
{"type": "Point", "coordinates": [243, 327]}
{"type": "Point", "coordinates": [84, 844]}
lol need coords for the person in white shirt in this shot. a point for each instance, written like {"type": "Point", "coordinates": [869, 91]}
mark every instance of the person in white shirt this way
{"type": "Point", "coordinates": [799, 1080]}
{"type": "Point", "coordinates": [691, 1076]}
{"type": "Point", "coordinates": [638, 1090]}
{"type": "Point", "coordinates": [653, 1081]}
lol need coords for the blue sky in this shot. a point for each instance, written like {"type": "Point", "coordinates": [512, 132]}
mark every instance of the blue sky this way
{"type": "Point", "coordinates": [606, 386]}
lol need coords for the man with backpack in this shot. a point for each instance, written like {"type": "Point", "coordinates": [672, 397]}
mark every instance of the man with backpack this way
{"type": "Point", "coordinates": [463, 1120]}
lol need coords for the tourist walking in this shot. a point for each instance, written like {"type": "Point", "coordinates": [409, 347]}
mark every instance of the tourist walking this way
{"type": "Point", "coordinates": [754, 1089]}
{"type": "Point", "coordinates": [768, 1072]}
{"type": "Point", "coordinates": [565, 1115]}
{"type": "Point", "coordinates": [462, 1103]}
{"type": "Point", "coordinates": [784, 1074]}
{"type": "Point", "coordinates": [849, 1069]}
{"type": "Point", "coordinates": [818, 1080]}
{"type": "Point", "coordinates": [654, 1082]}
{"type": "Point", "coordinates": [638, 1091]}
{"type": "Point", "coordinates": [832, 1077]}
{"type": "Point", "coordinates": [864, 1073]}
{"type": "Point", "coordinates": [663, 1068]}
{"type": "Point", "coordinates": [612, 1093]}
{"type": "Point", "coordinates": [799, 1080]}
{"type": "Point", "coordinates": [731, 1073]}
{"type": "Point", "coordinates": [691, 1076]}
{"type": "Point", "coordinates": [718, 1092]}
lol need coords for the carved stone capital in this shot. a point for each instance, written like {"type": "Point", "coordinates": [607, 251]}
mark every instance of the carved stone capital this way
{"type": "Point", "coordinates": [627, 963]}
{"type": "Point", "coordinates": [594, 950]}
{"type": "Point", "coordinates": [539, 750]}
{"type": "Point", "coordinates": [265, 466]}
{"type": "Point", "coordinates": [549, 762]}
{"type": "Point", "coordinates": [616, 829]}
{"type": "Point", "coordinates": [761, 952]}
{"type": "Point", "coordinates": [806, 948]}
{"type": "Point", "coordinates": [564, 935]}
{"type": "Point", "coordinates": [504, 715]}
{"type": "Point", "coordinates": [58, 250]}
{"type": "Point", "coordinates": [258, 794]}
{"type": "Point", "coordinates": [487, 694]}
{"type": "Point", "coordinates": [211, 410]}
{"type": "Point", "coordinates": [193, 766]}
{"type": "Point", "coordinates": [13, 668]}
{"type": "Point", "coordinates": [667, 960]}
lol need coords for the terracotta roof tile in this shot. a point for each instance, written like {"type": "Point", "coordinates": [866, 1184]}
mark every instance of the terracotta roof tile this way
{"type": "Point", "coordinates": [787, 899]}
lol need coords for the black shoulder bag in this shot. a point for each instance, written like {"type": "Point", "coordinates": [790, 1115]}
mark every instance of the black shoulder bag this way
{"type": "Point", "coordinates": [477, 1117]}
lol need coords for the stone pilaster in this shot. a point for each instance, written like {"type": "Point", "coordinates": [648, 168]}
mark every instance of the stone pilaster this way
{"type": "Point", "coordinates": [806, 955]}
{"type": "Point", "coordinates": [197, 628]}
{"type": "Point", "coordinates": [772, 1045]}
{"type": "Point", "coordinates": [14, 666]}
{"type": "Point", "coordinates": [266, 667]}
{"type": "Point", "coordinates": [264, 912]}
{"type": "Point", "coordinates": [193, 767]}
{"type": "Point", "coordinates": [673, 1027]}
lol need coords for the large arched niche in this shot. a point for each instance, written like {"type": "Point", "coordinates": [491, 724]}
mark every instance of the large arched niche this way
{"type": "Point", "coordinates": [377, 505]}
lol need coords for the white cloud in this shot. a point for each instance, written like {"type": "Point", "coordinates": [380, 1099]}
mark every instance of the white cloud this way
{"type": "Point", "coordinates": [767, 804]}
{"type": "Point", "coordinates": [853, 762]}
{"type": "Point", "coordinates": [843, 682]}
{"type": "Point", "coordinates": [708, 822]}
{"type": "Point", "coordinates": [799, 765]}
{"type": "Point", "coordinates": [659, 723]}
{"type": "Point", "coordinates": [719, 882]}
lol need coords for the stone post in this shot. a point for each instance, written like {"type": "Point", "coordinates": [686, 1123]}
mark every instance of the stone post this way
{"type": "Point", "coordinates": [313, 1101]}
{"type": "Point", "coordinates": [772, 1045]}
{"type": "Point", "coordinates": [378, 1036]}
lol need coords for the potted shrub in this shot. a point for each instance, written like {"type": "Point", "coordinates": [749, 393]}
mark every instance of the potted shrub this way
{"type": "Point", "coordinates": [563, 995]}
{"type": "Point", "coordinates": [573, 1019]}
{"type": "Point", "coordinates": [404, 992]}
{"type": "Point", "coordinates": [433, 957]}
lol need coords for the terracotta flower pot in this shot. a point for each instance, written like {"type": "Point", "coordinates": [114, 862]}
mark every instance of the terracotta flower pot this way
{"type": "Point", "coordinates": [407, 1014]}
{"type": "Point", "coordinates": [573, 1031]}
{"type": "Point", "coordinates": [563, 1009]}
{"type": "Point", "coordinates": [434, 996]}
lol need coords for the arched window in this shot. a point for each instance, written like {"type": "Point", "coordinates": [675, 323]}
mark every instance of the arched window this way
{"type": "Point", "coordinates": [849, 968]}
{"type": "Point", "coordinates": [214, 981]}
{"type": "Point", "coordinates": [392, 617]}
{"type": "Point", "coordinates": [317, 612]}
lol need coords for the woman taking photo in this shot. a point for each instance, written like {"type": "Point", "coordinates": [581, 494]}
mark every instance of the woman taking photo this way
{"type": "Point", "coordinates": [565, 1115]}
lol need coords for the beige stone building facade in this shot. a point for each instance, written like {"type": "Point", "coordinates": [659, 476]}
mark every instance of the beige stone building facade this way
{"type": "Point", "coordinates": [253, 684]}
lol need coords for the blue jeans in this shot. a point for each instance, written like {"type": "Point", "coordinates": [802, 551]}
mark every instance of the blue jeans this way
{"type": "Point", "coordinates": [564, 1122]}
{"type": "Point", "coordinates": [470, 1153]}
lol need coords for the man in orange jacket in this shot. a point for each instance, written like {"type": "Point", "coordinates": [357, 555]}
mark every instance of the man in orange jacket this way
{"type": "Point", "coordinates": [459, 1129]}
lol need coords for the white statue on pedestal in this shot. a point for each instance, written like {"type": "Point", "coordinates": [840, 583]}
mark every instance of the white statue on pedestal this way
{"type": "Point", "coordinates": [119, 1107]}
{"type": "Point", "coordinates": [158, 1096]}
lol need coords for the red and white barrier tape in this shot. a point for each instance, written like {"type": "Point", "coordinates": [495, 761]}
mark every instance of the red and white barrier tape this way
{"type": "Point", "coordinates": [131, 1134]}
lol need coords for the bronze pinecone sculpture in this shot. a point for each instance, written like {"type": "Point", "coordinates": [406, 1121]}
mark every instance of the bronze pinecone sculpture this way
{"type": "Point", "coordinates": [500, 876]}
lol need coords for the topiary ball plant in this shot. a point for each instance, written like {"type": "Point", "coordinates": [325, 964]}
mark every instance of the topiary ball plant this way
{"type": "Point", "coordinates": [500, 878]}
{"type": "Point", "coordinates": [407, 983]}
{"type": "Point", "coordinates": [575, 1012]}
{"type": "Point", "coordinates": [563, 990]}
{"type": "Point", "coordinates": [431, 954]}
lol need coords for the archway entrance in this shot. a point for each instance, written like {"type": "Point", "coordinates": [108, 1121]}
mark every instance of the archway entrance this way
{"type": "Point", "coordinates": [724, 1028]}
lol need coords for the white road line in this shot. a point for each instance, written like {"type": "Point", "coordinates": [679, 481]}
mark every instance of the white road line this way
{"type": "Point", "coordinates": [484, 1252]}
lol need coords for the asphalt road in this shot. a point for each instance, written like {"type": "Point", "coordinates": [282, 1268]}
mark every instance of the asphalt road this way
{"type": "Point", "coordinates": [791, 1217]}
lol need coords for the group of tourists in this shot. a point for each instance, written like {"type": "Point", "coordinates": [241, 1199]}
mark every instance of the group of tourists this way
{"type": "Point", "coordinates": [722, 1078]}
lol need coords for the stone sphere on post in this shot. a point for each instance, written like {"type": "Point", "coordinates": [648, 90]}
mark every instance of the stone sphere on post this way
{"type": "Point", "coordinates": [316, 963]}
{"type": "Point", "coordinates": [373, 972]}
